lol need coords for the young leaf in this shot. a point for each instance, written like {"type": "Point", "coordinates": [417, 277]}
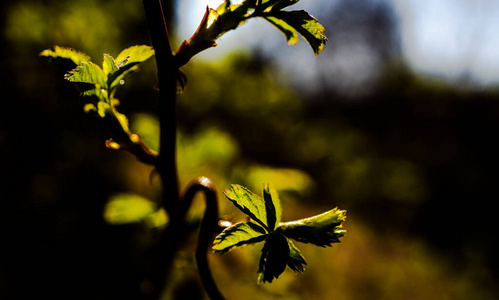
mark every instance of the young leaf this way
{"type": "Point", "coordinates": [136, 54]}
{"type": "Point", "coordinates": [272, 206]}
{"type": "Point", "coordinates": [249, 203]}
{"type": "Point", "coordinates": [128, 60]}
{"type": "Point", "coordinates": [66, 58]}
{"type": "Point", "coordinates": [278, 250]}
{"type": "Point", "coordinates": [229, 16]}
{"type": "Point", "coordinates": [295, 259]}
{"type": "Point", "coordinates": [222, 8]}
{"type": "Point", "coordinates": [289, 32]}
{"type": "Point", "coordinates": [239, 234]}
{"type": "Point", "coordinates": [275, 253]}
{"type": "Point", "coordinates": [301, 22]}
{"type": "Point", "coordinates": [108, 65]}
{"type": "Point", "coordinates": [87, 72]}
{"type": "Point", "coordinates": [321, 230]}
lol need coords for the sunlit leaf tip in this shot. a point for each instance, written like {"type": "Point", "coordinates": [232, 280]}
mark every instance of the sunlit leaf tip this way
{"type": "Point", "coordinates": [321, 230]}
{"type": "Point", "coordinates": [292, 23]}
{"type": "Point", "coordinates": [68, 56]}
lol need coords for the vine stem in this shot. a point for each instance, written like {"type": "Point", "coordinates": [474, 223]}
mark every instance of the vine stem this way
{"type": "Point", "coordinates": [167, 73]}
{"type": "Point", "coordinates": [209, 227]}
{"type": "Point", "coordinates": [170, 239]}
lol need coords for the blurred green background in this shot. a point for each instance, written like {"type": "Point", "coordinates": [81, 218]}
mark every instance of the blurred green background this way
{"type": "Point", "coordinates": [412, 158]}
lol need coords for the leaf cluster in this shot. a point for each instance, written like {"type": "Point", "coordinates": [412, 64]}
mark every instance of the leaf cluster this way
{"type": "Point", "coordinates": [265, 225]}
{"type": "Point", "coordinates": [98, 86]}
{"type": "Point", "coordinates": [229, 16]}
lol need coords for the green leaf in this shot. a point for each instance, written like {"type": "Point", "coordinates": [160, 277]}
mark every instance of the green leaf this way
{"type": "Point", "coordinates": [295, 259]}
{"type": "Point", "coordinates": [108, 65]}
{"type": "Point", "coordinates": [239, 234]}
{"type": "Point", "coordinates": [66, 58]}
{"type": "Point", "coordinates": [278, 250]}
{"type": "Point", "coordinates": [249, 203]}
{"type": "Point", "coordinates": [222, 8]}
{"type": "Point", "coordinates": [229, 16]}
{"type": "Point", "coordinates": [303, 23]}
{"type": "Point", "coordinates": [131, 208]}
{"type": "Point", "coordinates": [88, 72]}
{"type": "Point", "coordinates": [136, 54]}
{"type": "Point", "coordinates": [289, 32]}
{"type": "Point", "coordinates": [272, 206]}
{"type": "Point", "coordinates": [128, 60]}
{"type": "Point", "coordinates": [321, 230]}
{"type": "Point", "coordinates": [275, 253]}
